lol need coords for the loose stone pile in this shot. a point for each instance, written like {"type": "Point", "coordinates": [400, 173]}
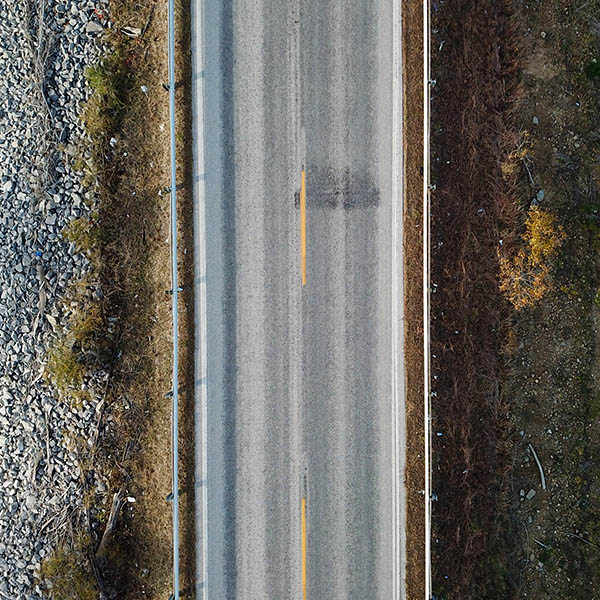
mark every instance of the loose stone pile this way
{"type": "Point", "coordinates": [39, 484]}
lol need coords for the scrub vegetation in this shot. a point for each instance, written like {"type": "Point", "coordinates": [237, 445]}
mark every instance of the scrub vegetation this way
{"type": "Point", "coordinates": [525, 278]}
{"type": "Point", "coordinates": [117, 328]}
{"type": "Point", "coordinates": [476, 218]}
{"type": "Point", "coordinates": [515, 275]}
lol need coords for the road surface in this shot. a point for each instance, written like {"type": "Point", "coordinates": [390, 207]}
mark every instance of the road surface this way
{"type": "Point", "coordinates": [304, 424]}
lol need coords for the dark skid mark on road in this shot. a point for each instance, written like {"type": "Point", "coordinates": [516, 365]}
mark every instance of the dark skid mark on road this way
{"type": "Point", "coordinates": [331, 188]}
{"type": "Point", "coordinates": [229, 296]}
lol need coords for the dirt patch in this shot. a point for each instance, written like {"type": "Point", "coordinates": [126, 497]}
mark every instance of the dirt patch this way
{"type": "Point", "coordinates": [412, 15]}
{"type": "Point", "coordinates": [553, 367]}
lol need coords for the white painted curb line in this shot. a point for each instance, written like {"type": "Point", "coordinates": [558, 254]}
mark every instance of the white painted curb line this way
{"type": "Point", "coordinates": [426, 287]}
{"type": "Point", "coordinates": [397, 330]}
{"type": "Point", "coordinates": [200, 322]}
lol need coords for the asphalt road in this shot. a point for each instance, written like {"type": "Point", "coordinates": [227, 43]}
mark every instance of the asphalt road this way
{"type": "Point", "coordinates": [302, 379]}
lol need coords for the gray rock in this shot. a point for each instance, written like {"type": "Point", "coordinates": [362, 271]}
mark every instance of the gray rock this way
{"type": "Point", "coordinates": [93, 27]}
{"type": "Point", "coordinates": [530, 494]}
{"type": "Point", "coordinates": [28, 223]}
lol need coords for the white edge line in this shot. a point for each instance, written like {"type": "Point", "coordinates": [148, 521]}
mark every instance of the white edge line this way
{"type": "Point", "coordinates": [174, 297]}
{"type": "Point", "coordinates": [200, 317]}
{"type": "Point", "coordinates": [397, 332]}
{"type": "Point", "coordinates": [426, 287]}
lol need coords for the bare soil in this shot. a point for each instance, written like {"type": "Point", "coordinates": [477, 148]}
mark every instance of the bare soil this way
{"type": "Point", "coordinates": [553, 363]}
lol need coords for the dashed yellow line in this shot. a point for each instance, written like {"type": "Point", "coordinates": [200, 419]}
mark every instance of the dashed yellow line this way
{"type": "Point", "coordinates": [304, 548]}
{"type": "Point", "coordinates": [303, 227]}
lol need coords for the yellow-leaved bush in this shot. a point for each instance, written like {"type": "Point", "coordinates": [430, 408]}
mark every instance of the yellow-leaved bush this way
{"type": "Point", "coordinates": [525, 277]}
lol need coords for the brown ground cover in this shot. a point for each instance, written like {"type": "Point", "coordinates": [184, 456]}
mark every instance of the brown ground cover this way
{"type": "Point", "coordinates": [474, 215]}
{"type": "Point", "coordinates": [125, 162]}
{"type": "Point", "coordinates": [412, 13]}
{"type": "Point", "coordinates": [516, 385]}
{"type": "Point", "coordinates": [135, 209]}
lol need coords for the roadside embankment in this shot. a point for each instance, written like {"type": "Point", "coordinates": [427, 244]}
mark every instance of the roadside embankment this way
{"type": "Point", "coordinates": [515, 280]}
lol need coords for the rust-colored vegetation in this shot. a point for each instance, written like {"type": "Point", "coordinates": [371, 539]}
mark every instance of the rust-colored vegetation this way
{"type": "Point", "coordinates": [475, 215]}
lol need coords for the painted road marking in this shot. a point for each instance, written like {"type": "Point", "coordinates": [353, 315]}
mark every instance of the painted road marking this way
{"type": "Point", "coordinates": [304, 546]}
{"type": "Point", "coordinates": [303, 226]}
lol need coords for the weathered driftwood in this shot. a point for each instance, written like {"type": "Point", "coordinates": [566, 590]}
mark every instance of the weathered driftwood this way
{"type": "Point", "coordinates": [111, 524]}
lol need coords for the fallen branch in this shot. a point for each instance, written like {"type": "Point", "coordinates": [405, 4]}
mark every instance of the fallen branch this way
{"type": "Point", "coordinates": [528, 172]}
{"type": "Point", "coordinates": [539, 464]}
{"type": "Point", "coordinates": [110, 524]}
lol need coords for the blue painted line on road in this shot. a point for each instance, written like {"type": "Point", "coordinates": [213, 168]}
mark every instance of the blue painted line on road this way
{"type": "Point", "coordinates": [200, 177]}
{"type": "Point", "coordinates": [201, 381]}
{"type": "Point", "coordinates": [201, 483]}
{"type": "Point", "coordinates": [201, 279]}
{"type": "Point", "coordinates": [198, 75]}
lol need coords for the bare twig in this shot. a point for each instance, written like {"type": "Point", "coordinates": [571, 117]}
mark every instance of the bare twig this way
{"type": "Point", "coordinates": [92, 559]}
{"type": "Point", "coordinates": [582, 539]}
{"type": "Point", "coordinates": [148, 21]}
{"type": "Point", "coordinates": [40, 45]}
{"type": "Point", "coordinates": [539, 464]}
{"type": "Point", "coordinates": [542, 545]}
{"type": "Point", "coordinates": [47, 421]}
{"type": "Point", "coordinates": [531, 180]}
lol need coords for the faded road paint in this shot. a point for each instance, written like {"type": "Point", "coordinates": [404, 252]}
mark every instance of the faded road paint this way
{"type": "Point", "coordinates": [304, 548]}
{"type": "Point", "coordinates": [303, 227]}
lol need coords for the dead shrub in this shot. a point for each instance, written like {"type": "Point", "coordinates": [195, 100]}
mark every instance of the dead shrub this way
{"type": "Point", "coordinates": [475, 210]}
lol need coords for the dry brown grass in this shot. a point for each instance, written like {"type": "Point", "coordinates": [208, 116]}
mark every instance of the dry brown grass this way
{"type": "Point", "coordinates": [135, 222]}
{"type": "Point", "coordinates": [413, 304]}
{"type": "Point", "coordinates": [131, 251]}
{"type": "Point", "coordinates": [475, 212]}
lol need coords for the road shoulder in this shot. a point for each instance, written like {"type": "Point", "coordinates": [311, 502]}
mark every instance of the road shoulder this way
{"type": "Point", "coordinates": [412, 26]}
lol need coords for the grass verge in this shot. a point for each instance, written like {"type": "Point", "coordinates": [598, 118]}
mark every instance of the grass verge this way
{"type": "Point", "coordinates": [126, 164]}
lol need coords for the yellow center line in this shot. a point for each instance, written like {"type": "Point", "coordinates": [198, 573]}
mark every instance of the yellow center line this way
{"type": "Point", "coordinates": [303, 227]}
{"type": "Point", "coordinates": [304, 548]}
